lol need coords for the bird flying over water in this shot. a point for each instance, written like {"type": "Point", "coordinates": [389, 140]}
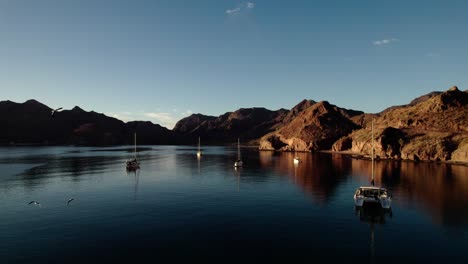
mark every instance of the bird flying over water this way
{"type": "Point", "coordinates": [34, 202]}
{"type": "Point", "coordinates": [52, 113]}
{"type": "Point", "coordinates": [70, 200]}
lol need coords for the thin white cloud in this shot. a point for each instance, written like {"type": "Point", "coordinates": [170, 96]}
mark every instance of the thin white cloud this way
{"type": "Point", "coordinates": [384, 41]}
{"type": "Point", "coordinates": [161, 118]}
{"type": "Point", "coordinates": [124, 116]}
{"type": "Point", "coordinates": [186, 113]}
{"type": "Point", "coordinates": [239, 8]}
{"type": "Point", "coordinates": [233, 11]}
{"type": "Point", "coordinates": [164, 119]}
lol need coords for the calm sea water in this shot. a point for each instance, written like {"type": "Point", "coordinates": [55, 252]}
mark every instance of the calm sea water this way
{"type": "Point", "coordinates": [178, 206]}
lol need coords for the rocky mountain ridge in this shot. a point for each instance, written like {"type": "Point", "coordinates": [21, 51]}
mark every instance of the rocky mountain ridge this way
{"type": "Point", "coordinates": [248, 124]}
{"type": "Point", "coordinates": [431, 127]}
{"type": "Point", "coordinates": [314, 128]}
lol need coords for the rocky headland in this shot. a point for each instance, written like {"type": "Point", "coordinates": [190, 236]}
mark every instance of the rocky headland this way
{"type": "Point", "coordinates": [432, 127]}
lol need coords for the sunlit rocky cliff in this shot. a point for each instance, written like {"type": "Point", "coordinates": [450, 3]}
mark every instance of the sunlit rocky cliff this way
{"type": "Point", "coordinates": [431, 127]}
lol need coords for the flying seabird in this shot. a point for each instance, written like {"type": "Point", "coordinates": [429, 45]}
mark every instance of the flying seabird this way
{"type": "Point", "coordinates": [34, 202]}
{"type": "Point", "coordinates": [70, 200]}
{"type": "Point", "coordinates": [52, 113]}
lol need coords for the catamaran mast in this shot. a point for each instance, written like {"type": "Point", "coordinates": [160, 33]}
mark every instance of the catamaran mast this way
{"type": "Point", "coordinates": [372, 151]}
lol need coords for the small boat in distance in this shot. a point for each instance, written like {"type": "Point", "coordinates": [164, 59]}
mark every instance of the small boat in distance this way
{"type": "Point", "coordinates": [133, 164]}
{"type": "Point", "coordinates": [238, 162]}
{"type": "Point", "coordinates": [297, 160]}
{"type": "Point", "coordinates": [371, 194]}
{"type": "Point", "coordinates": [199, 150]}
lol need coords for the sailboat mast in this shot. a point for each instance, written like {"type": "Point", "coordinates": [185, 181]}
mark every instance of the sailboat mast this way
{"type": "Point", "coordinates": [135, 145]}
{"type": "Point", "coordinates": [238, 149]}
{"type": "Point", "coordinates": [372, 139]}
{"type": "Point", "coordinates": [198, 144]}
{"type": "Point", "coordinates": [372, 151]}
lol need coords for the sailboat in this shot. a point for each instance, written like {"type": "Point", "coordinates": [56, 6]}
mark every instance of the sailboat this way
{"type": "Point", "coordinates": [199, 150]}
{"type": "Point", "coordinates": [372, 194]}
{"type": "Point", "coordinates": [296, 159]}
{"type": "Point", "coordinates": [133, 164]}
{"type": "Point", "coordinates": [238, 162]}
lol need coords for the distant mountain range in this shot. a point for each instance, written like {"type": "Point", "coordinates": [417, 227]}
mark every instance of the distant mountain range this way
{"type": "Point", "coordinates": [31, 123]}
{"type": "Point", "coordinates": [431, 127]}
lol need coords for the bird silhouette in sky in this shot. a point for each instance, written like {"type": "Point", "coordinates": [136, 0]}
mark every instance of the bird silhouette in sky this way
{"type": "Point", "coordinates": [52, 113]}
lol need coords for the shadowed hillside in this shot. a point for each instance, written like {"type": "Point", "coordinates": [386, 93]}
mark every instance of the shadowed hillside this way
{"type": "Point", "coordinates": [31, 123]}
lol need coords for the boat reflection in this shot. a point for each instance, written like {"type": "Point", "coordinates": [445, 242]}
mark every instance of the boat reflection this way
{"type": "Point", "coordinates": [373, 215]}
{"type": "Point", "coordinates": [199, 164]}
{"type": "Point", "coordinates": [135, 175]}
{"type": "Point", "coordinates": [237, 173]}
{"type": "Point", "coordinates": [318, 175]}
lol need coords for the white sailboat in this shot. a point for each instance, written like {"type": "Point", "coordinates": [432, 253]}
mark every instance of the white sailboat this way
{"type": "Point", "coordinates": [133, 164]}
{"type": "Point", "coordinates": [372, 194]}
{"type": "Point", "coordinates": [199, 153]}
{"type": "Point", "coordinates": [296, 159]}
{"type": "Point", "coordinates": [238, 162]}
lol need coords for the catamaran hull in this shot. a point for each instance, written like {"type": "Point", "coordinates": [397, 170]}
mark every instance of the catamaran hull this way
{"type": "Point", "coordinates": [386, 204]}
{"type": "Point", "coordinates": [361, 201]}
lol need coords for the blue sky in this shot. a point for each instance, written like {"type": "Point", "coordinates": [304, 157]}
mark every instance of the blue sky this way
{"type": "Point", "coordinates": [162, 60]}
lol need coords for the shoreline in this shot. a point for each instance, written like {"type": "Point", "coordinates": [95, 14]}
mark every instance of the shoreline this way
{"type": "Point", "coordinates": [361, 156]}
{"type": "Point", "coordinates": [357, 155]}
{"type": "Point", "coordinates": [351, 154]}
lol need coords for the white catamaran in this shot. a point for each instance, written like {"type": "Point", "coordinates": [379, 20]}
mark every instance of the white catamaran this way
{"type": "Point", "coordinates": [133, 164]}
{"type": "Point", "coordinates": [371, 194]}
{"type": "Point", "coordinates": [238, 162]}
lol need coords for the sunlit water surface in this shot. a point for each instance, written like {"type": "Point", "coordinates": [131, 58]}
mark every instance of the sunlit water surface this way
{"type": "Point", "coordinates": [178, 206]}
